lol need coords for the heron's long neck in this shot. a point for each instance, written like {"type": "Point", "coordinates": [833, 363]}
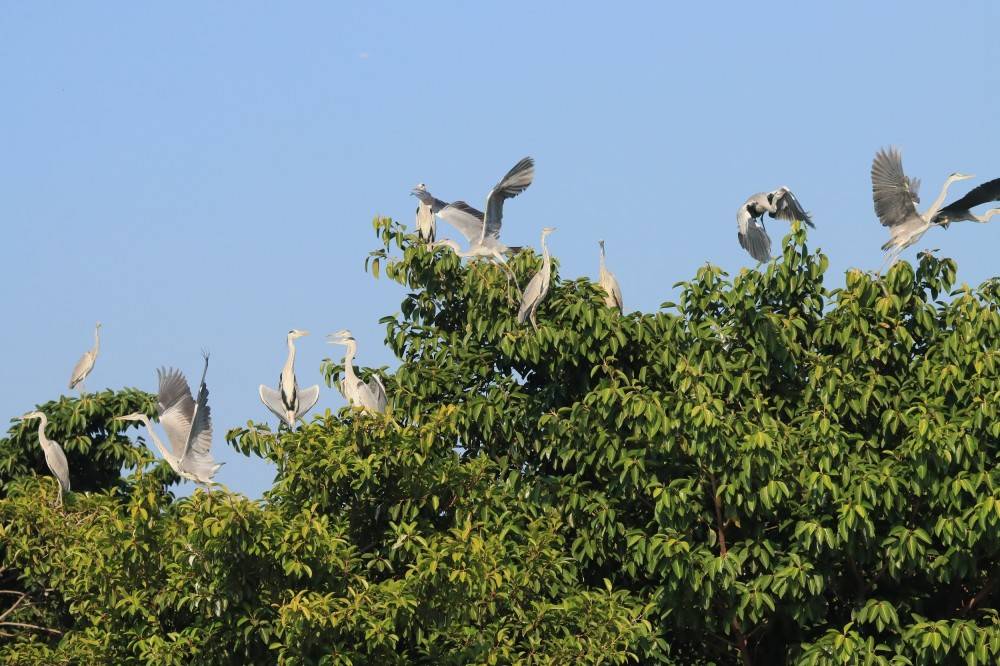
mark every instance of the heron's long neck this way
{"type": "Point", "coordinates": [546, 259]}
{"type": "Point", "coordinates": [43, 422]}
{"type": "Point", "coordinates": [936, 206]}
{"type": "Point", "coordinates": [603, 268]}
{"type": "Point", "coordinates": [290, 361]}
{"type": "Point", "coordinates": [352, 349]}
{"type": "Point", "coordinates": [167, 455]}
{"type": "Point", "coordinates": [985, 217]}
{"type": "Point", "coordinates": [97, 341]}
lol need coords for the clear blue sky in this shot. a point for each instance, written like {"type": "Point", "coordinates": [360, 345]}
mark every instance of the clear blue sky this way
{"type": "Point", "coordinates": [204, 174]}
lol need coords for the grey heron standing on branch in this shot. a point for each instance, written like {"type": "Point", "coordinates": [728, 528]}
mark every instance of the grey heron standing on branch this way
{"type": "Point", "coordinates": [781, 204]}
{"type": "Point", "coordinates": [370, 396]}
{"type": "Point", "coordinates": [55, 458]}
{"type": "Point", "coordinates": [895, 196]}
{"type": "Point", "coordinates": [427, 208]}
{"type": "Point", "coordinates": [188, 424]}
{"type": "Point", "coordinates": [289, 403]}
{"type": "Point", "coordinates": [608, 282]}
{"type": "Point", "coordinates": [86, 362]}
{"type": "Point", "coordinates": [536, 290]}
{"type": "Point", "coordinates": [961, 210]}
{"type": "Point", "coordinates": [482, 230]}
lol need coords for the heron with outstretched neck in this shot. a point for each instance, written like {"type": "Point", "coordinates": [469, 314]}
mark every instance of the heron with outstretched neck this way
{"type": "Point", "coordinates": [86, 363]}
{"type": "Point", "coordinates": [289, 403]}
{"type": "Point", "coordinates": [961, 210]}
{"type": "Point", "coordinates": [188, 424]}
{"type": "Point", "coordinates": [55, 457]}
{"type": "Point", "coordinates": [370, 396]}
{"type": "Point", "coordinates": [536, 290]}
{"type": "Point", "coordinates": [609, 283]}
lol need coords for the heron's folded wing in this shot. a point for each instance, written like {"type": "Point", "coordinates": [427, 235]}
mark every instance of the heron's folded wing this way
{"type": "Point", "coordinates": [55, 458]}
{"type": "Point", "coordinates": [891, 189]}
{"type": "Point", "coordinates": [616, 291]}
{"type": "Point", "coordinates": [175, 407]}
{"type": "Point", "coordinates": [272, 400]}
{"type": "Point", "coordinates": [752, 235]}
{"type": "Point", "coordinates": [977, 196]}
{"type": "Point", "coordinates": [513, 183]}
{"type": "Point", "coordinates": [378, 393]}
{"type": "Point", "coordinates": [530, 295]}
{"type": "Point", "coordinates": [465, 218]}
{"type": "Point", "coordinates": [307, 399]}
{"type": "Point", "coordinates": [789, 207]}
{"type": "Point", "coordinates": [81, 368]}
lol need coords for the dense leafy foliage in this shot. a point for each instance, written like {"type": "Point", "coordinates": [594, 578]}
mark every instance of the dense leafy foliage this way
{"type": "Point", "coordinates": [765, 472]}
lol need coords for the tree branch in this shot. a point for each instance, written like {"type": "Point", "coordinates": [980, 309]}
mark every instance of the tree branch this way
{"type": "Point", "coordinates": [24, 625]}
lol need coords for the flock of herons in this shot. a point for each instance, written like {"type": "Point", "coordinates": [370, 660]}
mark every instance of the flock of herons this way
{"type": "Point", "coordinates": [188, 422]}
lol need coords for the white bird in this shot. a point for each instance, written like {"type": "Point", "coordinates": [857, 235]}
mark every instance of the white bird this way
{"type": "Point", "coordinates": [370, 396]}
{"type": "Point", "coordinates": [536, 290]}
{"type": "Point", "coordinates": [608, 282]}
{"type": "Point", "coordinates": [289, 403]}
{"type": "Point", "coordinates": [779, 203]}
{"type": "Point", "coordinates": [55, 458]}
{"type": "Point", "coordinates": [427, 208]}
{"type": "Point", "coordinates": [188, 425]}
{"type": "Point", "coordinates": [86, 362]}
{"type": "Point", "coordinates": [894, 194]}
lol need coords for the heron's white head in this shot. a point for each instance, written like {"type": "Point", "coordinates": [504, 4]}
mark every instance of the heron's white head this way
{"type": "Point", "coordinates": [295, 334]}
{"type": "Point", "coordinates": [601, 243]}
{"type": "Point", "coordinates": [341, 337]}
{"type": "Point", "coordinates": [135, 416]}
{"type": "Point", "coordinates": [31, 415]}
{"type": "Point", "coordinates": [97, 325]}
{"type": "Point", "coordinates": [960, 176]}
{"type": "Point", "coordinates": [547, 230]}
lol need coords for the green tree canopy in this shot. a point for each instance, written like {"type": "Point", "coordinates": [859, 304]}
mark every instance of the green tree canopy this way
{"type": "Point", "coordinates": [766, 471]}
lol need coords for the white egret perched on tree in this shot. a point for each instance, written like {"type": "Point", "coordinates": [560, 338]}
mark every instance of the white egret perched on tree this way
{"type": "Point", "coordinates": [289, 403]}
{"type": "Point", "coordinates": [55, 458]}
{"type": "Point", "coordinates": [779, 203]}
{"type": "Point", "coordinates": [370, 396]}
{"type": "Point", "coordinates": [536, 290]}
{"type": "Point", "coordinates": [86, 362]}
{"type": "Point", "coordinates": [609, 283]}
{"type": "Point", "coordinates": [895, 196]}
{"type": "Point", "coordinates": [188, 424]}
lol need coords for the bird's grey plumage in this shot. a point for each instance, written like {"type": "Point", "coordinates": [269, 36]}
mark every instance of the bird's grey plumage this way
{"type": "Point", "coordinates": [55, 457]}
{"type": "Point", "coordinates": [608, 282]}
{"type": "Point", "coordinates": [538, 287]}
{"type": "Point", "coordinates": [289, 403]}
{"type": "Point", "coordinates": [369, 396]}
{"type": "Point", "coordinates": [895, 194]}
{"type": "Point", "coordinates": [750, 231]}
{"type": "Point", "coordinates": [962, 208]}
{"type": "Point", "coordinates": [86, 363]}
{"type": "Point", "coordinates": [188, 424]}
{"type": "Point", "coordinates": [513, 183]}
{"type": "Point", "coordinates": [427, 208]}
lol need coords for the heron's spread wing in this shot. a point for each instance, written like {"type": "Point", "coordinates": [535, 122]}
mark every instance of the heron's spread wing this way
{"type": "Point", "coordinates": [175, 407]}
{"type": "Point", "coordinates": [465, 218]}
{"type": "Point", "coordinates": [81, 369]}
{"type": "Point", "coordinates": [891, 189]}
{"type": "Point", "coordinates": [307, 399]}
{"type": "Point", "coordinates": [789, 207]}
{"type": "Point", "coordinates": [55, 458]}
{"type": "Point", "coordinates": [272, 400]}
{"type": "Point", "coordinates": [913, 184]}
{"type": "Point", "coordinates": [199, 440]}
{"type": "Point", "coordinates": [530, 296]}
{"type": "Point", "coordinates": [513, 183]}
{"type": "Point", "coordinates": [752, 235]}
{"type": "Point", "coordinates": [976, 196]}
{"type": "Point", "coordinates": [377, 390]}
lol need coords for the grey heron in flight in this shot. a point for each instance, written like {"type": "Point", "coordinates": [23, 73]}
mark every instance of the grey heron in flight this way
{"type": "Point", "coordinates": [55, 458]}
{"type": "Point", "coordinates": [370, 396]}
{"type": "Point", "coordinates": [895, 196]}
{"type": "Point", "coordinates": [427, 208]}
{"type": "Point", "coordinates": [482, 230]}
{"type": "Point", "coordinates": [608, 282]}
{"type": "Point", "coordinates": [536, 290]}
{"type": "Point", "coordinates": [86, 362]}
{"type": "Point", "coordinates": [779, 203]}
{"type": "Point", "coordinates": [960, 210]}
{"type": "Point", "coordinates": [289, 403]}
{"type": "Point", "coordinates": [188, 424]}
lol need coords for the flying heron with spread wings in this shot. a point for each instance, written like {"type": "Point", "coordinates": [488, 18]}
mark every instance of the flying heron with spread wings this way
{"type": "Point", "coordinates": [188, 424]}
{"type": "Point", "coordinates": [961, 210]}
{"type": "Point", "coordinates": [55, 458]}
{"type": "Point", "coordinates": [781, 204]}
{"type": "Point", "coordinates": [895, 196]}
{"type": "Point", "coordinates": [289, 403]}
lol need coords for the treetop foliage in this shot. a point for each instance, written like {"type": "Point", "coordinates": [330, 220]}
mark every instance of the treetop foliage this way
{"type": "Point", "coordinates": [766, 471]}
